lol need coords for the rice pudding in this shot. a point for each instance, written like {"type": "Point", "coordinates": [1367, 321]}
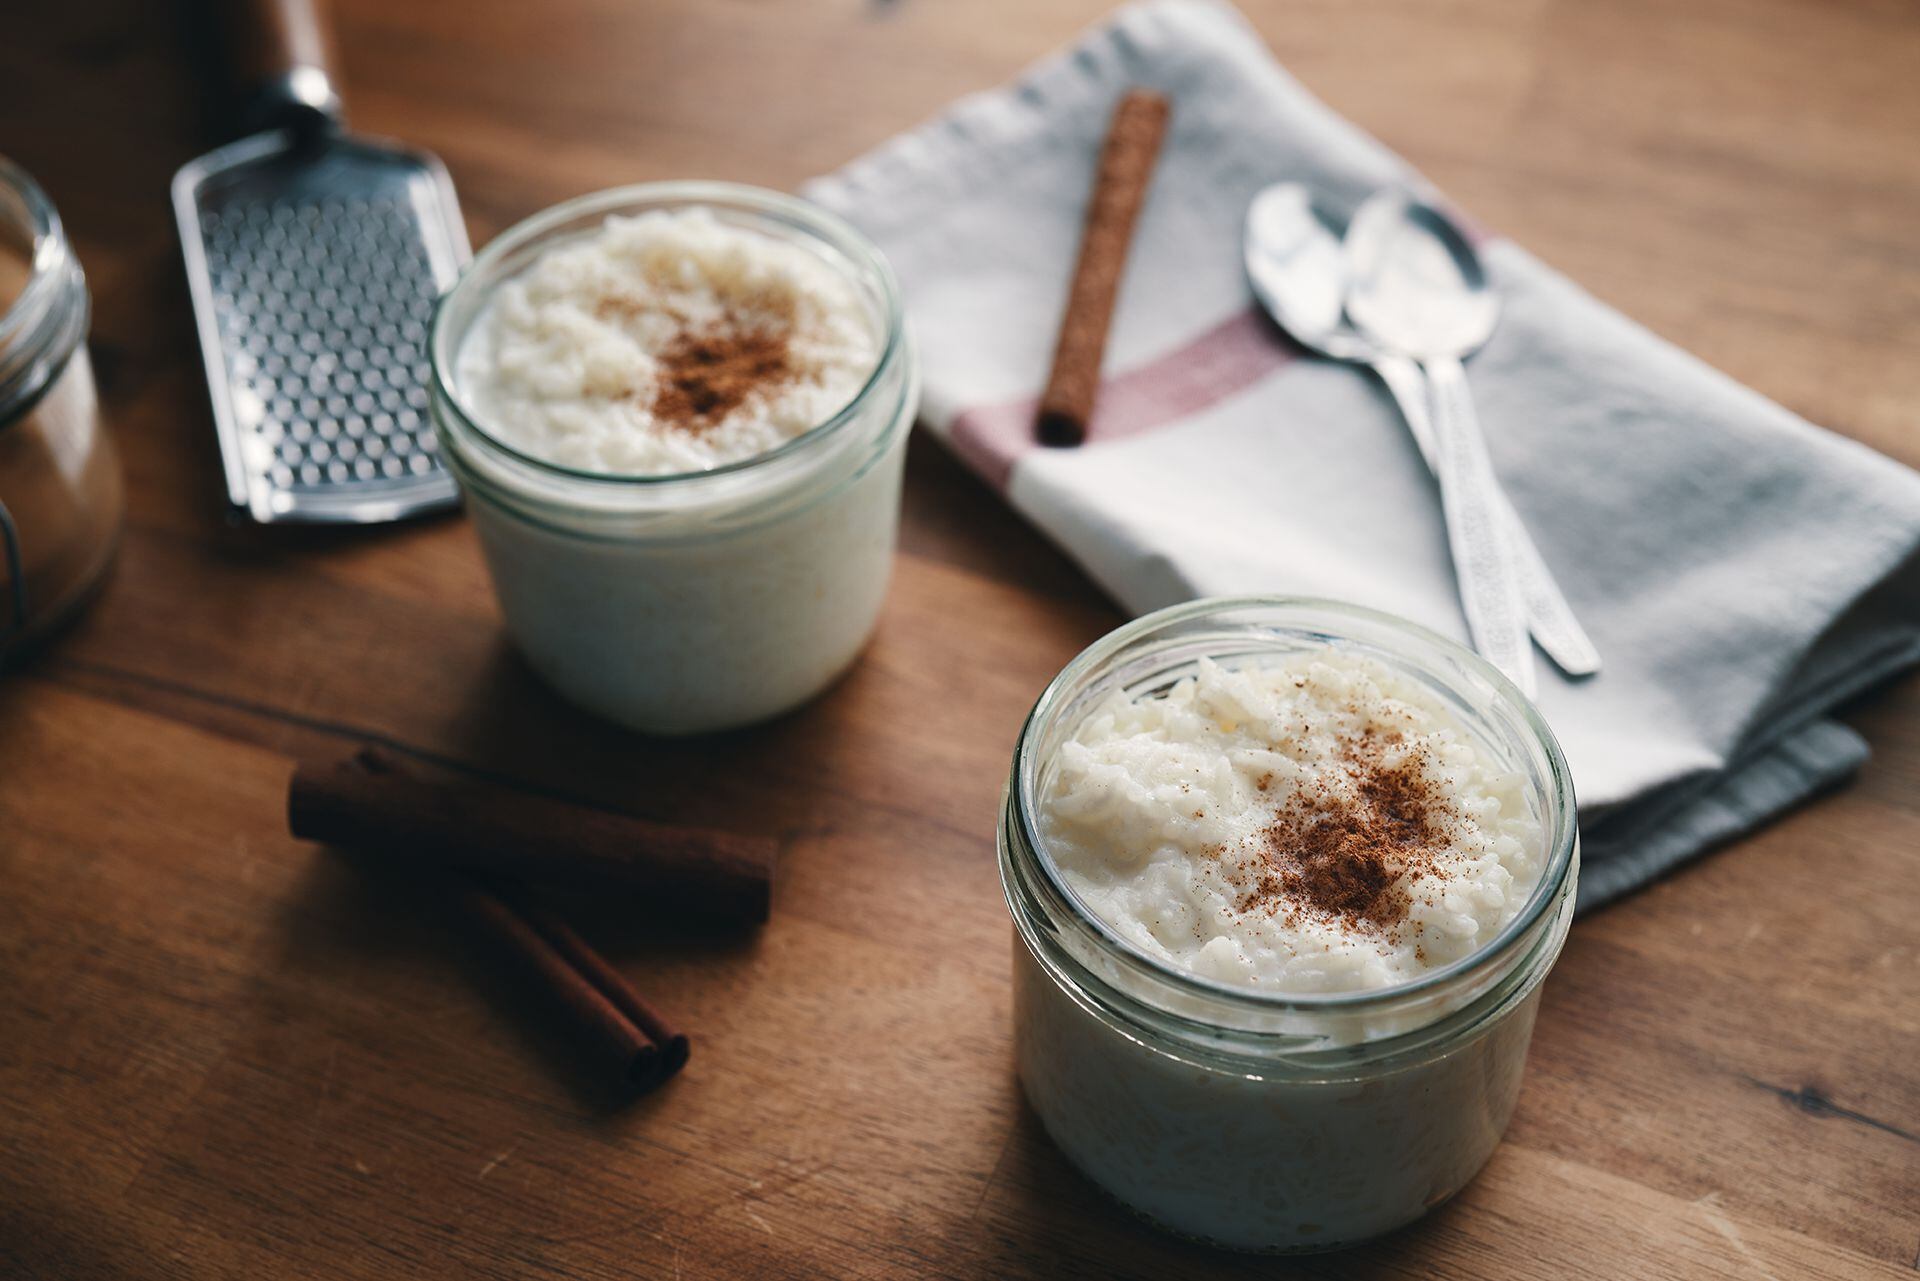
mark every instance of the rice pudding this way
{"type": "Point", "coordinates": [1286, 877]}
{"type": "Point", "coordinates": [668, 341]}
{"type": "Point", "coordinates": [678, 414]}
{"type": "Point", "coordinates": [1315, 824]}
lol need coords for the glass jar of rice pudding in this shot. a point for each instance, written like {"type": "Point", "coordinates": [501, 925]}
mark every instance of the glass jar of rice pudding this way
{"type": "Point", "coordinates": [60, 486]}
{"type": "Point", "coordinates": [678, 413]}
{"type": "Point", "coordinates": [1285, 876]}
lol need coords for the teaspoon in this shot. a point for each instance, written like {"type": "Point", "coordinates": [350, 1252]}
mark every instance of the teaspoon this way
{"type": "Point", "coordinates": [1298, 266]}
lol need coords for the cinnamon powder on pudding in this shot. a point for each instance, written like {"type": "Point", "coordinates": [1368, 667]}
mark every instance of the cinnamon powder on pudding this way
{"type": "Point", "coordinates": [706, 375]}
{"type": "Point", "coordinates": [1346, 853]}
{"type": "Point", "coordinates": [1389, 839]}
{"type": "Point", "coordinates": [747, 339]}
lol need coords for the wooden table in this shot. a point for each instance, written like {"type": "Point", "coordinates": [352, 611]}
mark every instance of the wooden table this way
{"type": "Point", "coordinates": [222, 1053]}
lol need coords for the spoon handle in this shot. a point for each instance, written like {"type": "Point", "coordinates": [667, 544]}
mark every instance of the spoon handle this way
{"type": "Point", "coordinates": [1408, 384]}
{"type": "Point", "coordinates": [1550, 618]}
{"type": "Point", "coordinates": [1488, 573]}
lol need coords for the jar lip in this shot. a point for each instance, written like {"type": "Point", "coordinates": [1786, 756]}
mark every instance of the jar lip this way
{"type": "Point", "coordinates": [1562, 840]}
{"type": "Point", "coordinates": [821, 223]}
{"type": "Point", "coordinates": [44, 257]}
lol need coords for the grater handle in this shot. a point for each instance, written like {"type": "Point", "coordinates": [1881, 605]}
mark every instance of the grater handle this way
{"type": "Point", "coordinates": [283, 53]}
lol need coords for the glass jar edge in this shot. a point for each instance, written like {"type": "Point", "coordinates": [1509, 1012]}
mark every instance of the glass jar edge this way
{"type": "Point", "coordinates": [1557, 880]}
{"type": "Point", "coordinates": [46, 323]}
{"type": "Point", "coordinates": [843, 236]}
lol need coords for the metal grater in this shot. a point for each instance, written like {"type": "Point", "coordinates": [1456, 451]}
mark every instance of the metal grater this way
{"type": "Point", "coordinates": [314, 260]}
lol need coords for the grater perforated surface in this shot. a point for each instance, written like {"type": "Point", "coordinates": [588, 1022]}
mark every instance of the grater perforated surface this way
{"type": "Point", "coordinates": [323, 310]}
{"type": "Point", "coordinates": [320, 275]}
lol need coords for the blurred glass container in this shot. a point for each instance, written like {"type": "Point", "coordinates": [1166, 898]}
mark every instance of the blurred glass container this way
{"type": "Point", "coordinates": [60, 488]}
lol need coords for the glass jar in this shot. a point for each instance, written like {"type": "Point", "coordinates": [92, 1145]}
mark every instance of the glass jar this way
{"type": "Point", "coordinates": [60, 494]}
{"type": "Point", "coordinates": [703, 600]}
{"type": "Point", "coordinates": [1249, 1119]}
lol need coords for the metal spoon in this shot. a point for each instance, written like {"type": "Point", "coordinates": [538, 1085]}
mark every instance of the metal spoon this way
{"type": "Point", "coordinates": [1300, 272]}
{"type": "Point", "coordinates": [1418, 289]}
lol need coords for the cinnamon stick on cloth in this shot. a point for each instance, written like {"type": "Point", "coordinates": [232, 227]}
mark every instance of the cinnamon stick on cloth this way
{"type": "Point", "coordinates": [371, 802]}
{"type": "Point", "coordinates": [1119, 189]}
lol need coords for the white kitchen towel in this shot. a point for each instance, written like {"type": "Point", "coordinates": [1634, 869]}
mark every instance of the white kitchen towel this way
{"type": "Point", "coordinates": [1740, 570]}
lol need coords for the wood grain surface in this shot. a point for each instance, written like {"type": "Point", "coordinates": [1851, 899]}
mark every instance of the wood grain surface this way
{"type": "Point", "coordinates": [225, 1054]}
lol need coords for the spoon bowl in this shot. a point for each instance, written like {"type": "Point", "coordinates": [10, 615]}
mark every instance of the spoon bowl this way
{"type": "Point", "coordinates": [1298, 269]}
{"type": "Point", "coordinates": [1417, 283]}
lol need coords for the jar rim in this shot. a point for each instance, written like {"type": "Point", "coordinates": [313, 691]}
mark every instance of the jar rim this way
{"type": "Point", "coordinates": [821, 223]}
{"type": "Point", "coordinates": [48, 247]}
{"type": "Point", "coordinates": [1562, 840]}
{"type": "Point", "coordinates": [42, 327]}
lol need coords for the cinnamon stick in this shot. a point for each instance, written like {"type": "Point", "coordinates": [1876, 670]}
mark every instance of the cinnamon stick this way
{"type": "Point", "coordinates": [370, 802]}
{"type": "Point", "coordinates": [624, 1029]}
{"type": "Point", "coordinates": [1119, 189]}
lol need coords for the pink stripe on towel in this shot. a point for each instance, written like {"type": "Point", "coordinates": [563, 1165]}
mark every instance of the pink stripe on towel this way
{"type": "Point", "coordinates": [1224, 360]}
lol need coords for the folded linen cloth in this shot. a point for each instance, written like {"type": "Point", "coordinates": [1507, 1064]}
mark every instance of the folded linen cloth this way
{"type": "Point", "coordinates": [1741, 571]}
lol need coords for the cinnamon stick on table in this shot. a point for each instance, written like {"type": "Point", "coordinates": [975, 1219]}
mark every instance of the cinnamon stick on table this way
{"type": "Point", "coordinates": [1119, 189]}
{"type": "Point", "coordinates": [371, 802]}
{"type": "Point", "coordinates": [627, 1031]}
{"type": "Point", "coordinates": [437, 829]}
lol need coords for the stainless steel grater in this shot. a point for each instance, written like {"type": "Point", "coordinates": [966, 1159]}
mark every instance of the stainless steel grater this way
{"type": "Point", "coordinates": [314, 259]}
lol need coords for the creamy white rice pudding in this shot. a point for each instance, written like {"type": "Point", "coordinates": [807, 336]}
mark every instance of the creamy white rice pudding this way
{"type": "Point", "coordinates": [1286, 877]}
{"type": "Point", "coordinates": [678, 413]}
{"type": "Point", "coordinates": [1316, 824]}
{"type": "Point", "coordinates": [668, 341]}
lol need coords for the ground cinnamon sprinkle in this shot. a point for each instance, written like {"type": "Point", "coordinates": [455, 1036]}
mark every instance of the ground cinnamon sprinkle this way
{"type": "Point", "coordinates": [705, 375]}
{"type": "Point", "coordinates": [1344, 853]}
